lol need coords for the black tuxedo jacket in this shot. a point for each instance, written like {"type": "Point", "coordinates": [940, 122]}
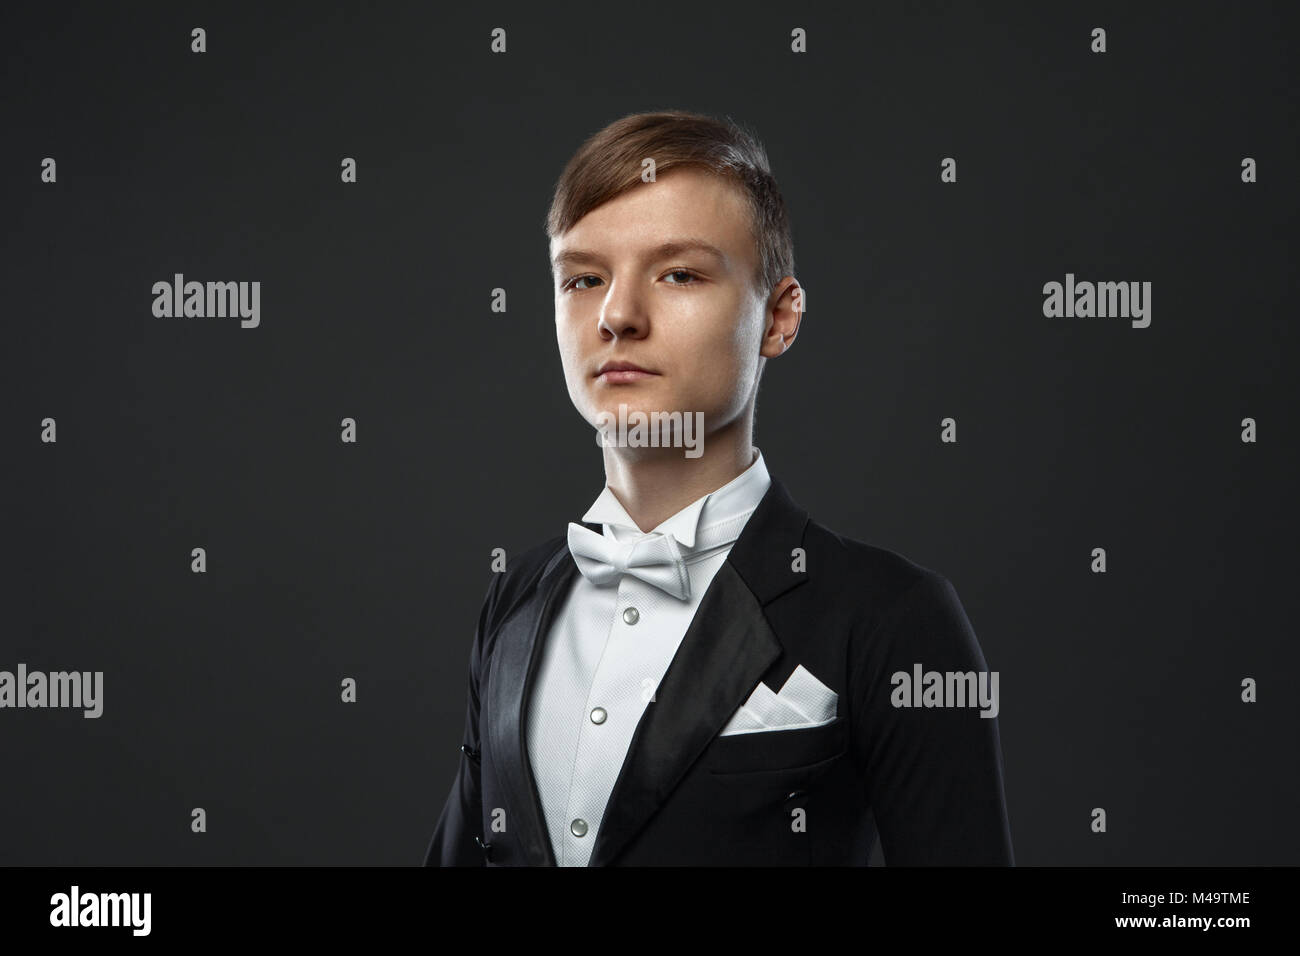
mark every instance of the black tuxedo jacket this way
{"type": "Point", "coordinates": [927, 780]}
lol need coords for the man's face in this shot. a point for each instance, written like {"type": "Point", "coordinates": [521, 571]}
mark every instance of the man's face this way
{"type": "Point", "coordinates": [628, 290]}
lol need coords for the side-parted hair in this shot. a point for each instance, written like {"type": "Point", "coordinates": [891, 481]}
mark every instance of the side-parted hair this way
{"type": "Point", "coordinates": [609, 163]}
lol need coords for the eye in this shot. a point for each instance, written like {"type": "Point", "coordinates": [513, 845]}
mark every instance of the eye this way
{"type": "Point", "coordinates": [683, 272]}
{"type": "Point", "coordinates": [572, 283]}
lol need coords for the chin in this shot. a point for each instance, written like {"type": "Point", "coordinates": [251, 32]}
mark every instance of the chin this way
{"type": "Point", "coordinates": [609, 404]}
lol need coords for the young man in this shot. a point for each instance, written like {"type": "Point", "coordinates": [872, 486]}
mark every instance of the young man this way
{"type": "Point", "coordinates": [699, 673]}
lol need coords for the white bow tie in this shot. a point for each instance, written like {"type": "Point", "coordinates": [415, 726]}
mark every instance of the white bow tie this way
{"type": "Point", "coordinates": [655, 559]}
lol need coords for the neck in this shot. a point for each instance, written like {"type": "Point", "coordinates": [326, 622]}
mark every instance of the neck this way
{"type": "Point", "coordinates": [653, 484]}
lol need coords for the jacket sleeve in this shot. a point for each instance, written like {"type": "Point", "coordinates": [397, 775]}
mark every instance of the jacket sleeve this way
{"type": "Point", "coordinates": [933, 775]}
{"type": "Point", "coordinates": [461, 820]}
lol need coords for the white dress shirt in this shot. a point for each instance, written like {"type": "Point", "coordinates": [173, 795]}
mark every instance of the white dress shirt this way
{"type": "Point", "coordinates": [607, 651]}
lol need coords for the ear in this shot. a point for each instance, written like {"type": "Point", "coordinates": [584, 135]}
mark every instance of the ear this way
{"type": "Point", "coordinates": [784, 310]}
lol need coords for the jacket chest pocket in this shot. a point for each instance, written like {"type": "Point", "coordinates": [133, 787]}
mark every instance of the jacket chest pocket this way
{"type": "Point", "coordinates": [777, 752]}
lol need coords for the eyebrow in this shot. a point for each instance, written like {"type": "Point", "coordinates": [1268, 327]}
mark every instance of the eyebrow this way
{"type": "Point", "coordinates": [664, 250]}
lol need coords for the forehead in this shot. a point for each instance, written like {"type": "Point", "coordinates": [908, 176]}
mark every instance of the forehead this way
{"type": "Point", "coordinates": [682, 202]}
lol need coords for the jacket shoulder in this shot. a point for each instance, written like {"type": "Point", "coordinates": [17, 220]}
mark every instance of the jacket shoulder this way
{"type": "Point", "coordinates": [901, 608]}
{"type": "Point", "coordinates": [522, 573]}
{"type": "Point", "coordinates": [888, 572]}
{"type": "Point", "coordinates": [887, 592]}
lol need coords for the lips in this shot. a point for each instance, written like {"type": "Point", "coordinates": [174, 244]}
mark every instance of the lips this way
{"type": "Point", "coordinates": [623, 377]}
{"type": "Point", "coordinates": [622, 373]}
{"type": "Point", "coordinates": [622, 367]}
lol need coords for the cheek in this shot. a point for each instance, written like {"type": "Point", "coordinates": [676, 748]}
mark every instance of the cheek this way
{"type": "Point", "coordinates": [718, 355]}
{"type": "Point", "coordinates": [736, 341]}
{"type": "Point", "coordinates": [566, 337]}
{"type": "Point", "coordinates": [719, 324]}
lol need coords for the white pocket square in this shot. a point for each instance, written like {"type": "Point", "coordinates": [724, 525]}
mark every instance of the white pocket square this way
{"type": "Point", "coordinates": [803, 701]}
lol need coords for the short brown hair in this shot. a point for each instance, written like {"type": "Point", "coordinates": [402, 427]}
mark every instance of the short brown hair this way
{"type": "Point", "coordinates": [609, 164]}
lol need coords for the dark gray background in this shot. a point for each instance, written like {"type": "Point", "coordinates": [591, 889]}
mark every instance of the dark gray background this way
{"type": "Point", "coordinates": [370, 560]}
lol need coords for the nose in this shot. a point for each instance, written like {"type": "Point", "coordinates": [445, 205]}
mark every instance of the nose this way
{"type": "Point", "coordinates": [622, 314]}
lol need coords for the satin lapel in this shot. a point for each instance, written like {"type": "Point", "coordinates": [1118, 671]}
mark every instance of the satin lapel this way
{"type": "Point", "coordinates": [514, 664]}
{"type": "Point", "coordinates": [720, 661]}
